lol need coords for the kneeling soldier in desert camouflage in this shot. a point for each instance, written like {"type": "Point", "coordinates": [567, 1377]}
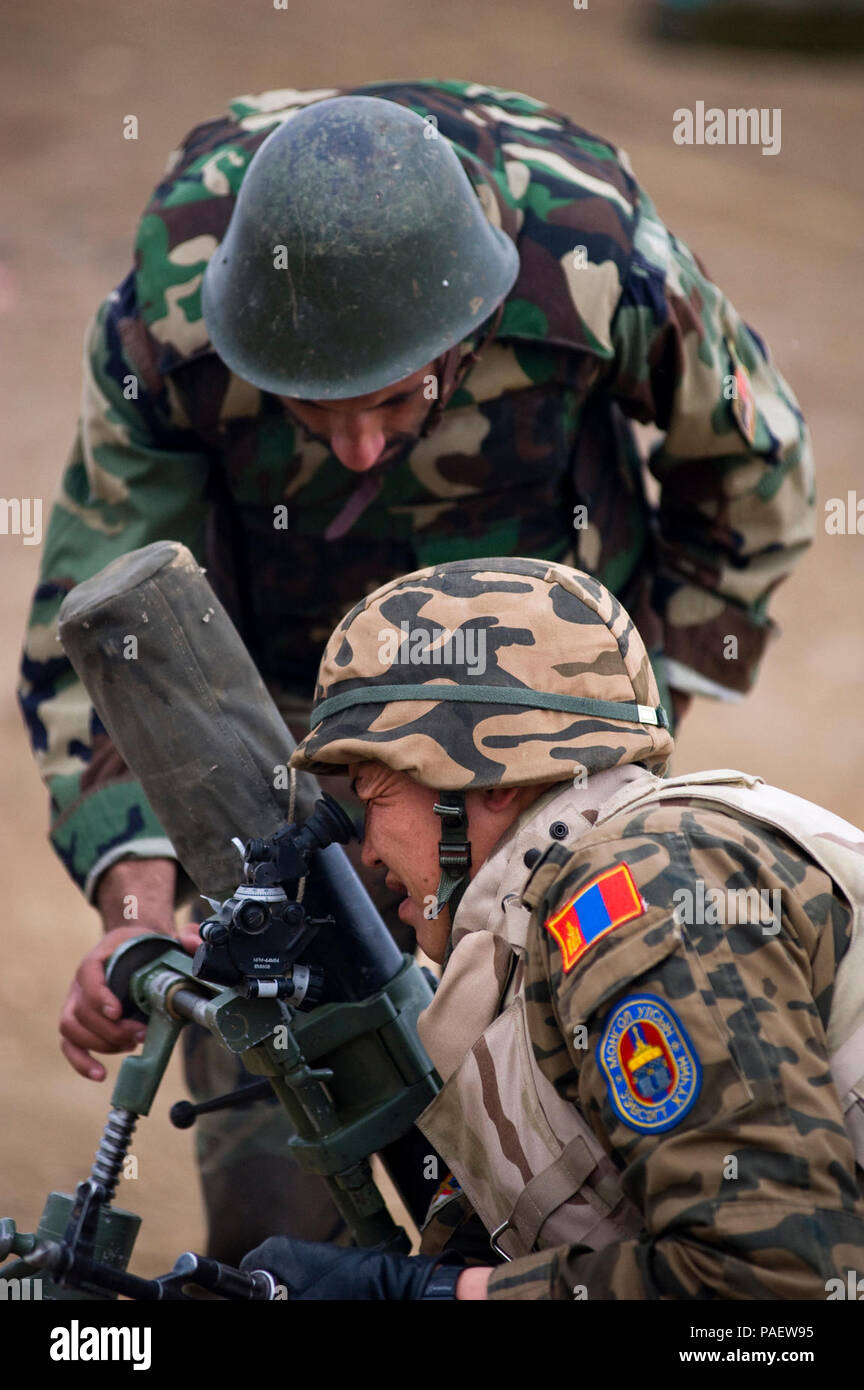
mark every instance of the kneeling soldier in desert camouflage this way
{"type": "Point", "coordinates": [647, 1026]}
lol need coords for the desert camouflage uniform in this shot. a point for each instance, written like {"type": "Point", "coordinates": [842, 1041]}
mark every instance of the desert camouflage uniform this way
{"type": "Point", "coordinates": [610, 313]}
{"type": "Point", "coordinates": [753, 1194]}
{"type": "Point", "coordinates": [750, 1190]}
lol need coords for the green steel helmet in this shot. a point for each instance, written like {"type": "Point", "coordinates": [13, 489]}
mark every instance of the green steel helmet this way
{"type": "Point", "coordinates": [357, 252]}
{"type": "Point", "coordinates": [482, 673]}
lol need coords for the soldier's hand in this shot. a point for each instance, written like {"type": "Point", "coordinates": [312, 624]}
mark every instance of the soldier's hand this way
{"type": "Point", "coordinates": [310, 1270]}
{"type": "Point", "coordinates": [91, 1020]}
{"type": "Point", "coordinates": [135, 896]}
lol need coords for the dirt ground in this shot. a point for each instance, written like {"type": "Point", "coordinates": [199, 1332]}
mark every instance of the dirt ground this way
{"type": "Point", "coordinates": [780, 234]}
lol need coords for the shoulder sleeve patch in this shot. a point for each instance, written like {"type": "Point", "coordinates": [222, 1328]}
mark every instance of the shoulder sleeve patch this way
{"type": "Point", "coordinates": [653, 1074]}
{"type": "Point", "coordinates": [602, 905]}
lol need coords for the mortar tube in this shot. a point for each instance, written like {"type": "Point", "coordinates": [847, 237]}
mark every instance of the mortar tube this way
{"type": "Point", "coordinates": [358, 955]}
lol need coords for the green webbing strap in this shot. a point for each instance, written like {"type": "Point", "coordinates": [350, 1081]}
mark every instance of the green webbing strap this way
{"type": "Point", "coordinates": [491, 695]}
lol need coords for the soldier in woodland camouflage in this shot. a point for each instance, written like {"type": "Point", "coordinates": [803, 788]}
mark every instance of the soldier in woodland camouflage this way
{"type": "Point", "coordinates": [526, 449]}
{"type": "Point", "coordinates": [609, 307]}
{"type": "Point", "coordinates": [639, 1102]}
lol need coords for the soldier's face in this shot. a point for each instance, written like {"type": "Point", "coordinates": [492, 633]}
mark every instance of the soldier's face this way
{"type": "Point", "coordinates": [363, 431]}
{"type": "Point", "coordinates": [402, 832]}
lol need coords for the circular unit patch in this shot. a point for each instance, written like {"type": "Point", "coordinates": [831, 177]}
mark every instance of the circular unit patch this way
{"type": "Point", "coordinates": [651, 1067]}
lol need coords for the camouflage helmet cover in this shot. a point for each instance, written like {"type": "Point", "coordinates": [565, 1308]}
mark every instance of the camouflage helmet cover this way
{"type": "Point", "coordinates": [511, 639]}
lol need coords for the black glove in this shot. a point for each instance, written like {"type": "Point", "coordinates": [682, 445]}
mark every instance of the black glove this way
{"type": "Point", "coordinates": [311, 1270]}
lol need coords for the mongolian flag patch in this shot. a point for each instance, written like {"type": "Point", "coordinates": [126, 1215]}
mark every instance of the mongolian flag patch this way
{"type": "Point", "coordinates": [447, 1190]}
{"type": "Point", "coordinates": [599, 907]}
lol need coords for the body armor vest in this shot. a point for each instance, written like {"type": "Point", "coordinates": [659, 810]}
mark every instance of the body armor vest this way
{"type": "Point", "coordinates": [543, 1178]}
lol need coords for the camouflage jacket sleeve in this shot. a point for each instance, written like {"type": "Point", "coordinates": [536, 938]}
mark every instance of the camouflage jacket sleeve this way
{"type": "Point", "coordinates": [134, 476]}
{"type": "Point", "coordinates": [737, 501]}
{"type": "Point", "coordinates": [740, 1164]}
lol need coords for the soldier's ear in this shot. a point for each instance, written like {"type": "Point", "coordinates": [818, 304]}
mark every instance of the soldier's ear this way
{"type": "Point", "coordinates": [499, 798]}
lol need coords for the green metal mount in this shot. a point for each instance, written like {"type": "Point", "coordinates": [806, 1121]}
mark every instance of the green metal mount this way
{"type": "Point", "coordinates": [352, 1077]}
{"type": "Point", "coordinates": [362, 1069]}
{"type": "Point", "coordinates": [116, 1231]}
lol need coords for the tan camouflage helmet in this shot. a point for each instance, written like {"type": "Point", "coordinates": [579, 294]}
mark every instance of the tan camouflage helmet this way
{"type": "Point", "coordinates": [482, 673]}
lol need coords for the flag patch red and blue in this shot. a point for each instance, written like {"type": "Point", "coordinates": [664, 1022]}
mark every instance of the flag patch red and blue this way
{"type": "Point", "coordinates": [599, 907]}
{"type": "Point", "coordinates": [447, 1190]}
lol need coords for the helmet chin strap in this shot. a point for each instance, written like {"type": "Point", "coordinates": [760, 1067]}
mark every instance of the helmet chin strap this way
{"type": "Point", "coordinates": [455, 366]}
{"type": "Point", "coordinates": [454, 851]}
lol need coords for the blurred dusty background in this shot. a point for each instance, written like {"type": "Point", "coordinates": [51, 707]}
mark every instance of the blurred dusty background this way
{"type": "Point", "coordinates": [780, 234]}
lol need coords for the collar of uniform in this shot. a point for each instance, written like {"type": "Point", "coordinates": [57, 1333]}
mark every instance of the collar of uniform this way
{"type": "Point", "coordinates": [490, 929]}
{"type": "Point", "coordinates": [492, 902]}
